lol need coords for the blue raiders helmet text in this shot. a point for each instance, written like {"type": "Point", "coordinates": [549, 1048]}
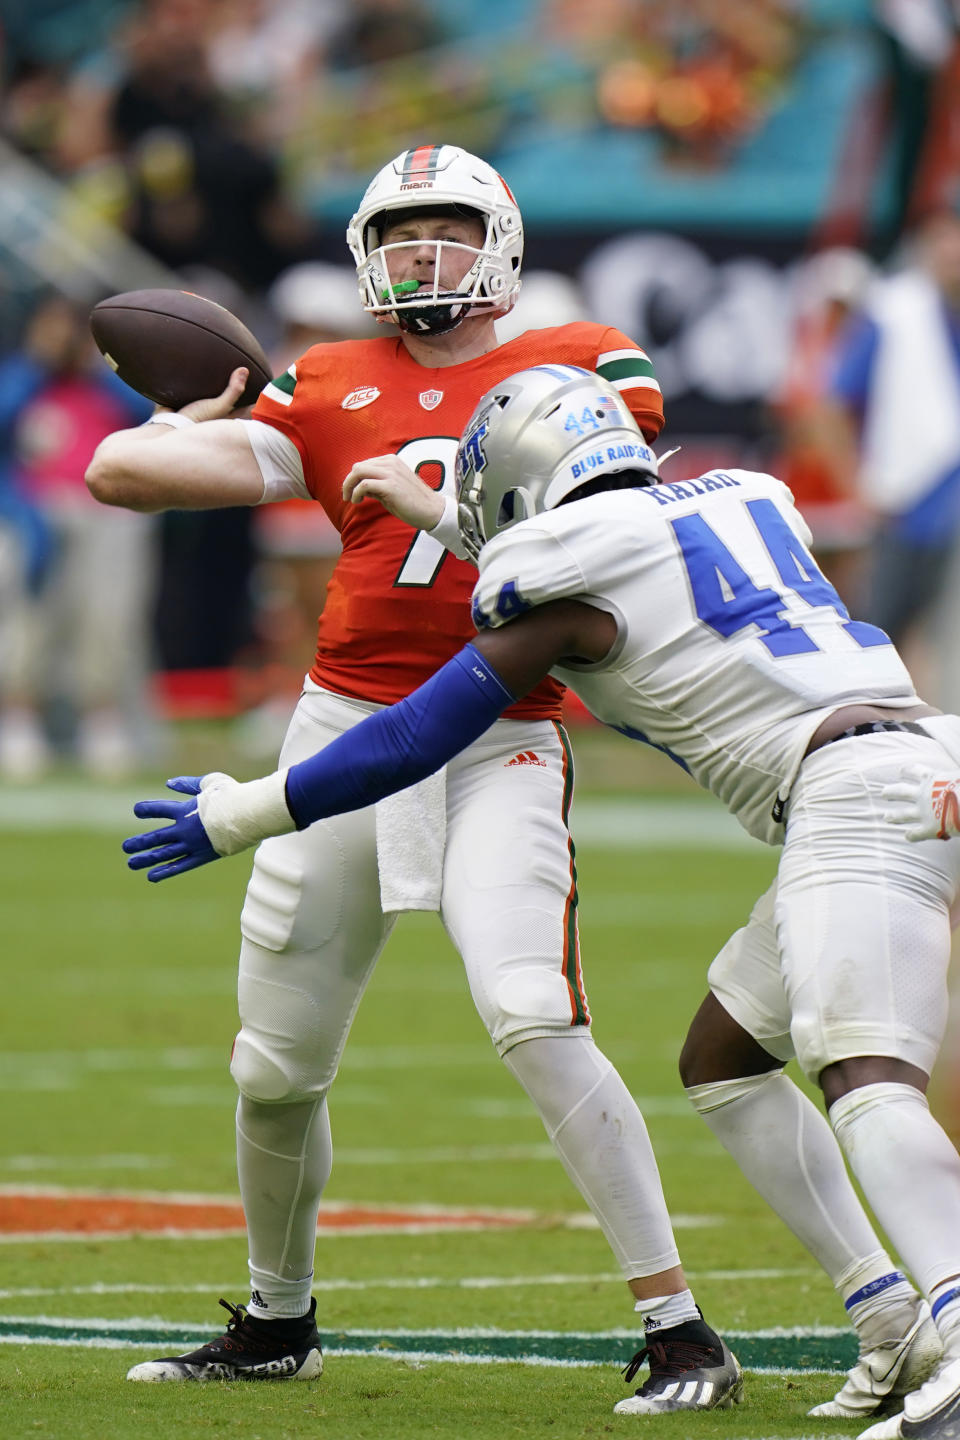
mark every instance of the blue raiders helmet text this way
{"type": "Point", "coordinates": [536, 438]}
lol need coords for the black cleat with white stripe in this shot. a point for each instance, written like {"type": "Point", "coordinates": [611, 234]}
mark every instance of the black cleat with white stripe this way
{"type": "Point", "coordinates": [250, 1349]}
{"type": "Point", "coordinates": [690, 1369]}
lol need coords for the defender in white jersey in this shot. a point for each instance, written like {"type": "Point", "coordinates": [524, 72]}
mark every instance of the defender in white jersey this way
{"type": "Point", "coordinates": [692, 616]}
{"type": "Point", "coordinates": [730, 645]}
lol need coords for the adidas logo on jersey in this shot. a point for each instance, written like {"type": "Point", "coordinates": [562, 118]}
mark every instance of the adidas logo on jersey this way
{"type": "Point", "coordinates": [946, 808]}
{"type": "Point", "coordinates": [363, 395]}
{"type": "Point", "coordinates": [526, 757]}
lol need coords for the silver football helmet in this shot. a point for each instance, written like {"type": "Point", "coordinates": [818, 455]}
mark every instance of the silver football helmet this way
{"type": "Point", "coordinates": [431, 178]}
{"type": "Point", "coordinates": [536, 437]}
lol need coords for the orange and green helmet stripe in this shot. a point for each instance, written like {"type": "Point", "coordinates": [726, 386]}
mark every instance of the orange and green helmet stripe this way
{"type": "Point", "coordinates": [421, 163]}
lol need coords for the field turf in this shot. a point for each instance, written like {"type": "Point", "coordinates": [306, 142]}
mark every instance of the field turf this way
{"type": "Point", "coordinates": [116, 1027]}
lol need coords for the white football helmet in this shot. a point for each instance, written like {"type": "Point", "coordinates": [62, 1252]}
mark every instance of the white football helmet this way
{"type": "Point", "coordinates": [431, 178]}
{"type": "Point", "coordinates": [534, 439]}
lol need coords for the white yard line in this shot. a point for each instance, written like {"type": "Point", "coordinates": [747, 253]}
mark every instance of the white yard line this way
{"type": "Point", "coordinates": [634, 823]}
{"type": "Point", "coordinates": [393, 1282]}
{"type": "Point", "coordinates": [418, 1359]}
{"type": "Point", "coordinates": [43, 1164]}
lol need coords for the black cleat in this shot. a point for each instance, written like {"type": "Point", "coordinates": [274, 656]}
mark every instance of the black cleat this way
{"type": "Point", "coordinates": [250, 1349]}
{"type": "Point", "coordinates": [690, 1369]}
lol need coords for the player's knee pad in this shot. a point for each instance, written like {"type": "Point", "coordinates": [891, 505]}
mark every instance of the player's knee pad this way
{"type": "Point", "coordinates": [282, 1052]}
{"type": "Point", "coordinates": [529, 1001]}
{"type": "Point", "coordinates": [262, 1072]}
{"type": "Point", "coordinates": [256, 1074]}
{"type": "Point", "coordinates": [714, 1094]}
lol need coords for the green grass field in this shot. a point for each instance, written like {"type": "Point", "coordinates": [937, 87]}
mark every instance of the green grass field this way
{"type": "Point", "coordinates": [117, 1021]}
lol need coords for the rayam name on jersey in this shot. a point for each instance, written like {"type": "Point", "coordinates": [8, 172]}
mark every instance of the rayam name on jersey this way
{"type": "Point", "coordinates": [732, 646]}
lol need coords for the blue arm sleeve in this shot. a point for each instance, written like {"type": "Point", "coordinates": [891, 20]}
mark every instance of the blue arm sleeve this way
{"type": "Point", "coordinates": [398, 746]}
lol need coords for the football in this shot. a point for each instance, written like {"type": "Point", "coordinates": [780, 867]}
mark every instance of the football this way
{"type": "Point", "coordinates": [174, 347]}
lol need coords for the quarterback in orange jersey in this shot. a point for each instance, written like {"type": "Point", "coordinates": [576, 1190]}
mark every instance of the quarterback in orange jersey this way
{"type": "Point", "coordinates": [344, 402]}
{"type": "Point", "coordinates": [370, 430]}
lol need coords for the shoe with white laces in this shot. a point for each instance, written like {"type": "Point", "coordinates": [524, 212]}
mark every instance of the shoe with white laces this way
{"type": "Point", "coordinates": [882, 1376]}
{"type": "Point", "coordinates": [250, 1349]}
{"type": "Point", "coordinates": [930, 1413]}
{"type": "Point", "coordinates": [690, 1369]}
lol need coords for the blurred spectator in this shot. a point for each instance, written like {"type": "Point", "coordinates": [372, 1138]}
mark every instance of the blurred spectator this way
{"type": "Point", "coordinates": [375, 31]}
{"type": "Point", "coordinates": [80, 637]}
{"type": "Point", "coordinates": [920, 38]}
{"type": "Point", "coordinates": [204, 606]}
{"type": "Point", "coordinates": [296, 543]}
{"type": "Point", "coordinates": [897, 386]}
{"type": "Point", "coordinates": [547, 297]}
{"type": "Point", "coordinates": [314, 302]}
{"type": "Point", "coordinates": [831, 289]}
{"type": "Point", "coordinates": [700, 76]}
{"type": "Point", "coordinates": [206, 187]}
{"type": "Point", "coordinates": [269, 51]}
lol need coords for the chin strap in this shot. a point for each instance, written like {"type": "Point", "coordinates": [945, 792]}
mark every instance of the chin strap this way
{"type": "Point", "coordinates": [431, 319]}
{"type": "Point", "coordinates": [427, 319]}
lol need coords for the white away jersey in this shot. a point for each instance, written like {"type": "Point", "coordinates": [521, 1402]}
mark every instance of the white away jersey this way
{"type": "Point", "coordinates": [732, 645]}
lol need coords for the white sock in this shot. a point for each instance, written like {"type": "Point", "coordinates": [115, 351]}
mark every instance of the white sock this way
{"type": "Point", "coordinates": [910, 1173]}
{"type": "Point", "coordinates": [879, 1299]}
{"type": "Point", "coordinates": [284, 1156]}
{"type": "Point", "coordinates": [945, 1304]}
{"type": "Point", "coordinates": [600, 1135]}
{"type": "Point", "coordinates": [785, 1148]}
{"type": "Point", "coordinates": [660, 1312]}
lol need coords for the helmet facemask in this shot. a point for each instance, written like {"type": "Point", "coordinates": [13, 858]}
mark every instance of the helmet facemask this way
{"type": "Point", "coordinates": [444, 181]}
{"type": "Point", "coordinates": [426, 309]}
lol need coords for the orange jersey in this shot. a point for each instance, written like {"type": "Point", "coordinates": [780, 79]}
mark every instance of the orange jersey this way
{"type": "Point", "coordinates": [398, 604]}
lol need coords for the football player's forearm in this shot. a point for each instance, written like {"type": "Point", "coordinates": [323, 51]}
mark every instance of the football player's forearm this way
{"type": "Point", "coordinates": [398, 746]}
{"type": "Point", "coordinates": [157, 467]}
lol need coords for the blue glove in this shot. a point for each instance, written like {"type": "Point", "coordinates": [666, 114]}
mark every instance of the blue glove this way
{"type": "Point", "coordinates": [184, 845]}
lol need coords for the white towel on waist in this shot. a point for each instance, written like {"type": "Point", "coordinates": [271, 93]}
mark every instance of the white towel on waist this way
{"type": "Point", "coordinates": [411, 839]}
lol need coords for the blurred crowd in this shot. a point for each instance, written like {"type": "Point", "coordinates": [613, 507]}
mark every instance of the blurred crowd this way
{"type": "Point", "coordinates": [867, 432]}
{"type": "Point", "coordinates": [197, 128]}
{"type": "Point", "coordinates": [172, 118]}
{"type": "Point", "coordinates": [700, 76]}
{"type": "Point", "coordinates": [205, 128]}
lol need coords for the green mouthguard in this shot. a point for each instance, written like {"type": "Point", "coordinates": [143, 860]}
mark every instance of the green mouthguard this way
{"type": "Point", "coordinates": [404, 287]}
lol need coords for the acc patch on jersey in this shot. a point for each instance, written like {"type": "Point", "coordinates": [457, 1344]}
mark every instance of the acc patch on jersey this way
{"type": "Point", "coordinates": [430, 399]}
{"type": "Point", "coordinates": [363, 395]}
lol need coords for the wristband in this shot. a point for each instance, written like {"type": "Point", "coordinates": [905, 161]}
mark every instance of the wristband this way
{"type": "Point", "coordinates": [174, 418]}
{"type": "Point", "coordinates": [238, 815]}
{"type": "Point", "coordinates": [447, 529]}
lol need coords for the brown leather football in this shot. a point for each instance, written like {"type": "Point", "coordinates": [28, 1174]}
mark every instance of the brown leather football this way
{"type": "Point", "coordinates": [173, 346]}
